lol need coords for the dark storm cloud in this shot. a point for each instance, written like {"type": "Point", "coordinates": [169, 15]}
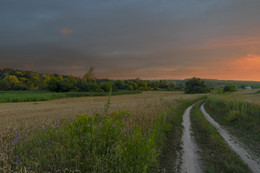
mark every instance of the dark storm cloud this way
{"type": "Point", "coordinates": [122, 36]}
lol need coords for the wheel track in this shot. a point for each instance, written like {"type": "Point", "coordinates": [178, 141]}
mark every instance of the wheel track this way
{"type": "Point", "coordinates": [233, 143]}
{"type": "Point", "coordinates": [190, 157]}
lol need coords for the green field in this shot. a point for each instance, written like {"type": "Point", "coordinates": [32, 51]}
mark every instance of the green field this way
{"type": "Point", "coordinates": [28, 96]}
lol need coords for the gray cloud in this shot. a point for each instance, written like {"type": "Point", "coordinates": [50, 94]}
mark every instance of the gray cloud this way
{"type": "Point", "coordinates": [125, 36]}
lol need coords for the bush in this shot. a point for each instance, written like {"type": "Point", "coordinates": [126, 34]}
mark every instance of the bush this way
{"type": "Point", "coordinates": [229, 88]}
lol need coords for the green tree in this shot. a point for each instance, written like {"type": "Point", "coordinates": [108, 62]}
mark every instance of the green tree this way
{"type": "Point", "coordinates": [172, 85]}
{"type": "Point", "coordinates": [163, 84]}
{"type": "Point", "coordinates": [106, 86]}
{"type": "Point", "coordinates": [4, 85]}
{"type": "Point", "coordinates": [54, 85]}
{"type": "Point", "coordinates": [43, 81]}
{"type": "Point", "coordinates": [196, 85]}
{"type": "Point", "coordinates": [229, 88]}
{"type": "Point", "coordinates": [93, 87]}
{"type": "Point", "coordinates": [20, 86]}
{"type": "Point", "coordinates": [12, 80]}
{"type": "Point", "coordinates": [66, 85]}
{"type": "Point", "coordinates": [131, 87]}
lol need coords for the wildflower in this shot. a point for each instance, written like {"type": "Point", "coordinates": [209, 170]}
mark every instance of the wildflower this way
{"type": "Point", "coordinates": [43, 128]}
{"type": "Point", "coordinates": [151, 129]}
{"type": "Point", "coordinates": [17, 161]}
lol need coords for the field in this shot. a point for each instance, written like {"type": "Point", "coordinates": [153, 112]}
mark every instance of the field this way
{"type": "Point", "coordinates": [127, 133]}
{"type": "Point", "coordinates": [29, 96]}
{"type": "Point", "coordinates": [19, 120]}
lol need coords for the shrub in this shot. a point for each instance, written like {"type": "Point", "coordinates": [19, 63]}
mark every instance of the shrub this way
{"type": "Point", "coordinates": [229, 88]}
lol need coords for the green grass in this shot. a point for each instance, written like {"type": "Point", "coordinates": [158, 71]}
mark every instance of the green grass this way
{"type": "Point", "coordinates": [89, 144]}
{"type": "Point", "coordinates": [172, 149]}
{"type": "Point", "coordinates": [28, 96]}
{"type": "Point", "coordinates": [113, 142]}
{"type": "Point", "coordinates": [216, 155]}
{"type": "Point", "coordinates": [241, 118]}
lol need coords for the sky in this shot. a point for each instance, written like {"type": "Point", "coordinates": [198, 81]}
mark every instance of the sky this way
{"type": "Point", "coordinates": [123, 39]}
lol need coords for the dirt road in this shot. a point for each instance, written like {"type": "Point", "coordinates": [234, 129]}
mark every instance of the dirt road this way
{"type": "Point", "coordinates": [190, 158]}
{"type": "Point", "coordinates": [234, 144]}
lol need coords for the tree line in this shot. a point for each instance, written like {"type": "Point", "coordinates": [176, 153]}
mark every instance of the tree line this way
{"type": "Point", "coordinates": [12, 79]}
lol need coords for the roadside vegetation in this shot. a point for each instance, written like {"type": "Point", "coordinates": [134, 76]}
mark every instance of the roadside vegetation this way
{"type": "Point", "coordinates": [241, 118]}
{"type": "Point", "coordinates": [215, 153]}
{"type": "Point", "coordinates": [129, 135]}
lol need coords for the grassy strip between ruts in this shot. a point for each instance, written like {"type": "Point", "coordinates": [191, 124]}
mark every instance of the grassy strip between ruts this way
{"type": "Point", "coordinates": [216, 155]}
{"type": "Point", "coordinates": [102, 143]}
{"type": "Point", "coordinates": [241, 118]}
{"type": "Point", "coordinates": [28, 96]}
{"type": "Point", "coordinates": [172, 150]}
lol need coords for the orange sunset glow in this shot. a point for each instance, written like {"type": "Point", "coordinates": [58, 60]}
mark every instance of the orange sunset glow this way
{"type": "Point", "coordinates": [134, 39]}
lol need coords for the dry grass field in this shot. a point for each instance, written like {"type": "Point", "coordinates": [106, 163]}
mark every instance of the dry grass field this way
{"type": "Point", "coordinates": [22, 118]}
{"type": "Point", "coordinates": [249, 95]}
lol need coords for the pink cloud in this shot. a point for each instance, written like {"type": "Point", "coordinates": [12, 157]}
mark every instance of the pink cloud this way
{"type": "Point", "coordinates": [66, 31]}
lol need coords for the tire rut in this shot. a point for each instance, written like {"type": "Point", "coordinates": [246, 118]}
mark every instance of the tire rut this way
{"type": "Point", "coordinates": [190, 158]}
{"type": "Point", "coordinates": [234, 144]}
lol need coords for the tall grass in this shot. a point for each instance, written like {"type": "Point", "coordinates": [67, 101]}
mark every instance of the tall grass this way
{"type": "Point", "coordinates": [215, 153]}
{"type": "Point", "coordinates": [97, 143]}
{"type": "Point", "coordinates": [110, 142]}
{"type": "Point", "coordinates": [91, 144]}
{"type": "Point", "coordinates": [241, 117]}
{"type": "Point", "coordinates": [18, 131]}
